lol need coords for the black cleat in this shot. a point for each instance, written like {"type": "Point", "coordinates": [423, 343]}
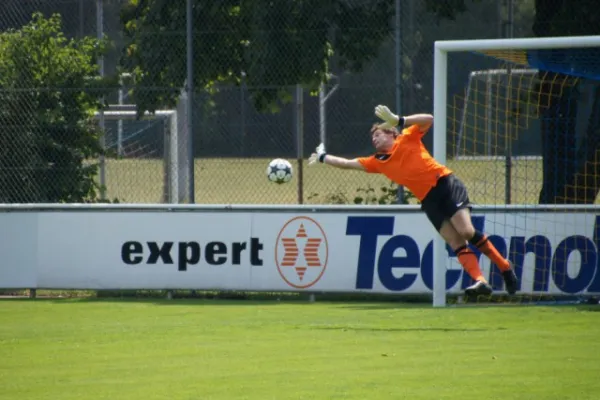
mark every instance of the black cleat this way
{"type": "Point", "coordinates": [510, 280]}
{"type": "Point", "coordinates": [479, 288]}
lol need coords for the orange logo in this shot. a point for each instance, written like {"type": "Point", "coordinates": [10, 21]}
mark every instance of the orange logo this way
{"type": "Point", "coordinates": [301, 252]}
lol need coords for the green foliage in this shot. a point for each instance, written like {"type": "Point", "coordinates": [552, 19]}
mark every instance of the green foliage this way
{"type": "Point", "coordinates": [552, 17]}
{"type": "Point", "coordinates": [446, 9]}
{"type": "Point", "coordinates": [336, 197]}
{"type": "Point", "coordinates": [567, 18]}
{"type": "Point", "coordinates": [387, 194]}
{"type": "Point", "coordinates": [275, 43]}
{"type": "Point", "coordinates": [49, 90]}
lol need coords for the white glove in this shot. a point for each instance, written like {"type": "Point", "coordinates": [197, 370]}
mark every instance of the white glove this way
{"type": "Point", "coordinates": [385, 114]}
{"type": "Point", "coordinates": [314, 157]}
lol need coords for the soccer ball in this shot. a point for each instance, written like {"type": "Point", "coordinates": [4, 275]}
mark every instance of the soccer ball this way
{"type": "Point", "coordinates": [279, 171]}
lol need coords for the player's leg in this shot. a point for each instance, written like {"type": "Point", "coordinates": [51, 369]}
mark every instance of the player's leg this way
{"type": "Point", "coordinates": [466, 258]}
{"type": "Point", "coordinates": [461, 220]}
{"type": "Point", "coordinates": [457, 243]}
{"type": "Point", "coordinates": [459, 208]}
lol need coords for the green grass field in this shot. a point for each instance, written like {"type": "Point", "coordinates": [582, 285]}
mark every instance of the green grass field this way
{"type": "Point", "coordinates": [227, 181]}
{"type": "Point", "coordinates": [218, 349]}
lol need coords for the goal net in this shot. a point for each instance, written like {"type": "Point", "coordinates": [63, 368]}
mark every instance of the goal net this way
{"type": "Point", "coordinates": [146, 157]}
{"type": "Point", "coordinates": [518, 120]}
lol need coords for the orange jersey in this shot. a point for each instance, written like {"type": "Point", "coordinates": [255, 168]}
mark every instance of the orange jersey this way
{"type": "Point", "coordinates": [408, 163]}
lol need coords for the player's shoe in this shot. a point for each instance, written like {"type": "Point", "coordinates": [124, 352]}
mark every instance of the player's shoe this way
{"type": "Point", "coordinates": [479, 288]}
{"type": "Point", "coordinates": [510, 280]}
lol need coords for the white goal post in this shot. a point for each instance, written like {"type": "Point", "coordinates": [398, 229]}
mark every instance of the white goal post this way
{"type": "Point", "coordinates": [440, 93]}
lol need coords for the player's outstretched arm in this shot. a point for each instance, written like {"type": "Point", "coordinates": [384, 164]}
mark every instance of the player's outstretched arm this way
{"type": "Point", "coordinates": [320, 155]}
{"type": "Point", "coordinates": [424, 121]}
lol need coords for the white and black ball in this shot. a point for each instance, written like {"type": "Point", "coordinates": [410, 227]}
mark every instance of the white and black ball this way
{"type": "Point", "coordinates": [279, 171]}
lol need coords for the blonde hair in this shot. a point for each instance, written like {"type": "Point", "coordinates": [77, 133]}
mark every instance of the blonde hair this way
{"type": "Point", "coordinates": [390, 131]}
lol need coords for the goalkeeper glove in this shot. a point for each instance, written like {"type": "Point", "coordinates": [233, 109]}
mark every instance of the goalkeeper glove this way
{"type": "Point", "coordinates": [389, 117]}
{"type": "Point", "coordinates": [319, 155]}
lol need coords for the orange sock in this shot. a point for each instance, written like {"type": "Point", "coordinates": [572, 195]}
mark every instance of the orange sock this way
{"type": "Point", "coordinates": [492, 253]}
{"type": "Point", "coordinates": [468, 260]}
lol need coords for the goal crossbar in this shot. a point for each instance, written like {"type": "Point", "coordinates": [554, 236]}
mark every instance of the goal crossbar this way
{"type": "Point", "coordinates": [518, 44]}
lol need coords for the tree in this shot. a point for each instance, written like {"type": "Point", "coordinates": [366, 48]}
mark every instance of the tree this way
{"type": "Point", "coordinates": [447, 9]}
{"type": "Point", "coordinates": [570, 174]}
{"type": "Point", "coordinates": [49, 90]}
{"type": "Point", "coordinates": [274, 43]}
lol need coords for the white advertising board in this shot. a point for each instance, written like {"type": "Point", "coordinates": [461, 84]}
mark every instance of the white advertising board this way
{"type": "Point", "coordinates": [18, 250]}
{"type": "Point", "coordinates": [298, 250]}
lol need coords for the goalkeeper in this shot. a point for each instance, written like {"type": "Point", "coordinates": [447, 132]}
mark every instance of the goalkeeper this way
{"type": "Point", "coordinates": [402, 157]}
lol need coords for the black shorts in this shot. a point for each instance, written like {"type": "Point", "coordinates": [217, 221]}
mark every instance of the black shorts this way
{"type": "Point", "coordinates": [443, 200]}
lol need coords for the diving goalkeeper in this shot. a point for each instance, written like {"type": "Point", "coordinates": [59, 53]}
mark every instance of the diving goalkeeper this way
{"type": "Point", "coordinates": [402, 157]}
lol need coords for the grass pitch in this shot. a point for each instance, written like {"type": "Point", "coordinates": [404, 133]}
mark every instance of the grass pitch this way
{"type": "Point", "coordinates": [202, 349]}
{"type": "Point", "coordinates": [244, 181]}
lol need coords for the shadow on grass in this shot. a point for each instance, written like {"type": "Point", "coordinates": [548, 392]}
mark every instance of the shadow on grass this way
{"type": "Point", "coordinates": [352, 301]}
{"type": "Point", "coordinates": [416, 329]}
{"type": "Point", "coordinates": [225, 299]}
{"type": "Point", "coordinates": [588, 308]}
{"type": "Point", "coordinates": [189, 297]}
{"type": "Point", "coordinates": [149, 300]}
{"type": "Point", "coordinates": [352, 305]}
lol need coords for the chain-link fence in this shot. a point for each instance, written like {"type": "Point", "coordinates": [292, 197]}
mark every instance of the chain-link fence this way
{"type": "Point", "coordinates": [247, 107]}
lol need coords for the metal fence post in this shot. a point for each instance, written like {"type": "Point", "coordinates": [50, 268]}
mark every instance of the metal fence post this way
{"type": "Point", "coordinates": [300, 140]}
{"type": "Point", "coordinates": [190, 100]}
{"type": "Point", "coordinates": [398, 45]}
{"type": "Point", "coordinates": [100, 35]}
